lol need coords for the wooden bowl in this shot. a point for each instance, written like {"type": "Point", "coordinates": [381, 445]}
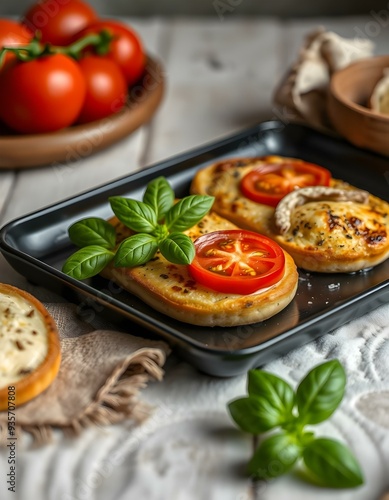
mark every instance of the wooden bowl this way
{"type": "Point", "coordinates": [348, 104]}
{"type": "Point", "coordinates": [79, 141]}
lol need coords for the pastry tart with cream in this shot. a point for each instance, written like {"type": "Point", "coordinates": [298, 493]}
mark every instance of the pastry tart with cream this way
{"type": "Point", "coordinates": [30, 351]}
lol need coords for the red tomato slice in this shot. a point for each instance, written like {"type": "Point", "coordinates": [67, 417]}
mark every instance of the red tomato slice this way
{"type": "Point", "coordinates": [237, 261]}
{"type": "Point", "coordinates": [269, 183]}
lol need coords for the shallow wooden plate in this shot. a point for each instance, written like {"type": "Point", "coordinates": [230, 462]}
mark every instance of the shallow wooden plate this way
{"type": "Point", "coordinates": [24, 151]}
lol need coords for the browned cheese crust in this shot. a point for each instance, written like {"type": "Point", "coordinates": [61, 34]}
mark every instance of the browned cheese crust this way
{"type": "Point", "coordinates": [324, 236]}
{"type": "Point", "coordinates": [170, 289]}
{"type": "Point", "coordinates": [338, 236]}
{"type": "Point", "coordinates": [38, 380]}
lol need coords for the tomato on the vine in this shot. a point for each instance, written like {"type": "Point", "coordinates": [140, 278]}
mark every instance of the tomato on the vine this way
{"type": "Point", "coordinates": [41, 95]}
{"type": "Point", "coordinates": [126, 48]}
{"type": "Point", "coordinates": [237, 261]}
{"type": "Point", "coordinates": [13, 34]}
{"type": "Point", "coordinates": [269, 183]}
{"type": "Point", "coordinates": [57, 21]}
{"type": "Point", "coordinates": [106, 88]}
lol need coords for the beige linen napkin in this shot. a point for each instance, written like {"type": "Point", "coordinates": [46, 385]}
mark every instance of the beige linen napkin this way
{"type": "Point", "coordinates": [101, 374]}
{"type": "Point", "coordinates": [302, 94]}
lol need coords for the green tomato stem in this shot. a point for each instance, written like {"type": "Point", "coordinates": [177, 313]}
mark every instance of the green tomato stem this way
{"type": "Point", "coordinates": [35, 49]}
{"type": "Point", "coordinates": [100, 41]}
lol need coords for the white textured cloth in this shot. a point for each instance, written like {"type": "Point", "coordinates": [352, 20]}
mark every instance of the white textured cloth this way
{"type": "Point", "coordinates": [190, 441]}
{"type": "Point", "coordinates": [361, 421]}
{"type": "Point", "coordinates": [101, 374]}
{"type": "Point", "coordinates": [302, 94]}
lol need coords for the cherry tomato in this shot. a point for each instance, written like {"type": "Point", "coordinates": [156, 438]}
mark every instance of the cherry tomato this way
{"type": "Point", "coordinates": [41, 95]}
{"type": "Point", "coordinates": [269, 183]}
{"type": "Point", "coordinates": [237, 261]}
{"type": "Point", "coordinates": [58, 20]}
{"type": "Point", "coordinates": [13, 34]}
{"type": "Point", "coordinates": [106, 88]}
{"type": "Point", "coordinates": [126, 48]}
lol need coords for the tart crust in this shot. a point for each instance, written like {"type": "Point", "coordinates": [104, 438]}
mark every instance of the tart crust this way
{"type": "Point", "coordinates": [38, 380]}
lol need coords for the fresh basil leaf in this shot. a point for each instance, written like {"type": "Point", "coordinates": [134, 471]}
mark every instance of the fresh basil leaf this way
{"type": "Point", "coordinates": [159, 196]}
{"type": "Point", "coordinates": [320, 392]}
{"type": "Point", "coordinates": [136, 250]}
{"type": "Point", "coordinates": [134, 214]}
{"type": "Point", "coordinates": [188, 212]}
{"type": "Point", "coordinates": [255, 414]}
{"type": "Point", "coordinates": [92, 231]}
{"type": "Point", "coordinates": [275, 456]}
{"type": "Point", "coordinates": [275, 393]}
{"type": "Point", "coordinates": [160, 232]}
{"type": "Point", "coordinates": [178, 248]}
{"type": "Point", "coordinates": [87, 262]}
{"type": "Point", "coordinates": [332, 464]}
{"type": "Point", "coordinates": [244, 412]}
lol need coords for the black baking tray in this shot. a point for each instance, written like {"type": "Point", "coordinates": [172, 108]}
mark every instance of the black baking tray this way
{"type": "Point", "coordinates": [36, 246]}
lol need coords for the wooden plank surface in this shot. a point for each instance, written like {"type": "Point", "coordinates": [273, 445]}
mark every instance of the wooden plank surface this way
{"type": "Point", "coordinates": [220, 80]}
{"type": "Point", "coordinates": [7, 179]}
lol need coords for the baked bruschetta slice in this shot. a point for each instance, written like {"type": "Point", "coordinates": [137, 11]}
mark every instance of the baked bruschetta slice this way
{"type": "Point", "coordinates": [177, 292]}
{"type": "Point", "coordinates": [331, 226]}
{"type": "Point", "coordinates": [332, 230]}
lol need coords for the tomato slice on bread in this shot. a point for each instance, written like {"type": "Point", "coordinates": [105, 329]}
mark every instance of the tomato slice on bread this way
{"type": "Point", "coordinates": [269, 183]}
{"type": "Point", "coordinates": [237, 261]}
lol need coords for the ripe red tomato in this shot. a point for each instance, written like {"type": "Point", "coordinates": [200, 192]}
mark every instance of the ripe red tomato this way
{"type": "Point", "coordinates": [41, 95]}
{"type": "Point", "coordinates": [106, 88]}
{"type": "Point", "coordinates": [267, 184]}
{"type": "Point", "coordinates": [59, 20]}
{"type": "Point", "coordinates": [13, 34]}
{"type": "Point", "coordinates": [237, 261]}
{"type": "Point", "coordinates": [126, 49]}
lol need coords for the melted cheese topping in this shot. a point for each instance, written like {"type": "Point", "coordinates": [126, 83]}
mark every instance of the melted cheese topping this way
{"type": "Point", "coordinates": [341, 227]}
{"type": "Point", "coordinates": [23, 339]}
{"type": "Point", "coordinates": [223, 182]}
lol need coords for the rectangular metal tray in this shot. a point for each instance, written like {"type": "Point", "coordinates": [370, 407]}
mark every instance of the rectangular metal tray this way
{"type": "Point", "coordinates": [36, 246]}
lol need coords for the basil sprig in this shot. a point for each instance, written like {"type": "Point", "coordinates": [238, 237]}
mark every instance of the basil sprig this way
{"type": "Point", "coordinates": [272, 403]}
{"type": "Point", "coordinates": [157, 222]}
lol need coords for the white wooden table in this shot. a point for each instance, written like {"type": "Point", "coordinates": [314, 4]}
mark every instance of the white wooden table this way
{"type": "Point", "coordinates": [220, 77]}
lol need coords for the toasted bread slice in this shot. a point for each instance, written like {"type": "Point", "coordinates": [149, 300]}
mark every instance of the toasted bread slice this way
{"type": "Point", "coordinates": [30, 351]}
{"type": "Point", "coordinates": [337, 236]}
{"type": "Point", "coordinates": [222, 180]}
{"type": "Point", "coordinates": [324, 236]}
{"type": "Point", "coordinates": [170, 289]}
